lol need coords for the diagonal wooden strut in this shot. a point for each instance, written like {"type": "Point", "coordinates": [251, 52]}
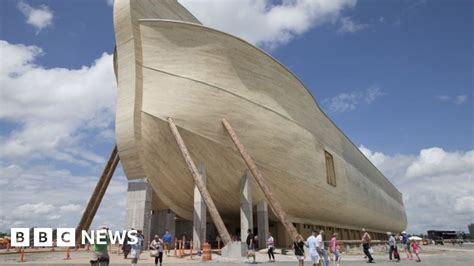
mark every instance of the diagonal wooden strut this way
{"type": "Point", "coordinates": [97, 195]}
{"type": "Point", "coordinates": [211, 207]}
{"type": "Point", "coordinates": [262, 183]}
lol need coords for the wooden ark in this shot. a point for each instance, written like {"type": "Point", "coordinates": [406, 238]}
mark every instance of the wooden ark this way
{"type": "Point", "coordinates": [169, 65]}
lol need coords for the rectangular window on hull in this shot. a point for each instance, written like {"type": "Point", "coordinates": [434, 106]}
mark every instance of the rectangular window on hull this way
{"type": "Point", "coordinates": [331, 175]}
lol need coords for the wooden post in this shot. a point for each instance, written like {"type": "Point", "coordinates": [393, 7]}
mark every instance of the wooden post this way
{"type": "Point", "coordinates": [262, 183]}
{"type": "Point", "coordinates": [216, 218]}
{"type": "Point", "coordinates": [97, 195]}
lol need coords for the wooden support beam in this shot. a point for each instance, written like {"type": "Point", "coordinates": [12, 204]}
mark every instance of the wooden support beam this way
{"type": "Point", "coordinates": [211, 207]}
{"type": "Point", "coordinates": [97, 195]}
{"type": "Point", "coordinates": [262, 183]}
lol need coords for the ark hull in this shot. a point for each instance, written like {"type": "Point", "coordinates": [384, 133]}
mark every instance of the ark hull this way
{"type": "Point", "coordinates": [197, 76]}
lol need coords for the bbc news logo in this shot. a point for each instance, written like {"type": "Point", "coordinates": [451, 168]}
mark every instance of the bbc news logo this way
{"type": "Point", "coordinates": [65, 237]}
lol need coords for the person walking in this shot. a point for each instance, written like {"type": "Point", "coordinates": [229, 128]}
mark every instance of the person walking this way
{"type": "Point", "coordinates": [250, 241]}
{"type": "Point", "coordinates": [416, 249]}
{"type": "Point", "coordinates": [298, 246]}
{"type": "Point", "coordinates": [167, 239]}
{"type": "Point", "coordinates": [365, 242]}
{"type": "Point", "coordinates": [320, 248]}
{"type": "Point", "coordinates": [334, 248]}
{"type": "Point", "coordinates": [99, 248]}
{"type": "Point", "coordinates": [392, 243]}
{"type": "Point", "coordinates": [136, 248]}
{"type": "Point", "coordinates": [271, 247]}
{"type": "Point", "coordinates": [406, 245]}
{"type": "Point", "coordinates": [312, 250]}
{"type": "Point", "coordinates": [156, 249]}
{"type": "Point", "coordinates": [126, 247]}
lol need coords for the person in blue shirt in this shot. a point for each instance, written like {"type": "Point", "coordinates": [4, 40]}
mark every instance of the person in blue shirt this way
{"type": "Point", "coordinates": [167, 239]}
{"type": "Point", "coordinates": [406, 245]}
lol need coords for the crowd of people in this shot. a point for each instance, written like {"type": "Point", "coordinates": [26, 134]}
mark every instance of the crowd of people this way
{"type": "Point", "coordinates": [331, 256]}
{"type": "Point", "coordinates": [132, 251]}
{"type": "Point", "coordinates": [315, 243]}
{"type": "Point", "coordinates": [409, 247]}
{"type": "Point", "coordinates": [157, 247]}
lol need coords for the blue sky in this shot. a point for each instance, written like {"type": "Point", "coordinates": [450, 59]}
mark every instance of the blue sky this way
{"type": "Point", "coordinates": [395, 76]}
{"type": "Point", "coordinates": [413, 56]}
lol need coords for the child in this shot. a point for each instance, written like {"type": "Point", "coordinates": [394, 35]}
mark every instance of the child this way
{"type": "Point", "coordinates": [416, 249]}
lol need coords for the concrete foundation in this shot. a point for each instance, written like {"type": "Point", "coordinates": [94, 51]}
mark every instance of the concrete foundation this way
{"type": "Point", "coordinates": [262, 223]}
{"type": "Point", "coordinates": [234, 250]}
{"type": "Point", "coordinates": [138, 208]}
{"type": "Point", "coordinates": [199, 214]}
{"type": "Point", "coordinates": [246, 214]}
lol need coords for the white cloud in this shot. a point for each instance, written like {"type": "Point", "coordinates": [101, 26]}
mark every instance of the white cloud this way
{"type": "Point", "coordinates": [38, 208]}
{"type": "Point", "coordinates": [39, 18]}
{"type": "Point", "coordinates": [71, 208]}
{"type": "Point", "coordinates": [42, 195]}
{"type": "Point", "coordinates": [350, 26]}
{"type": "Point", "coordinates": [52, 117]}
{"type": "Point", "coordinates": [55, 109]}
{"type": "Point", "coordinates": [344, 102]}
{"type": "Point", "coordinates": [434, 181]}
{"type": "Point", "coordinates": [372, 93]}
{"type": "Point", "coordinates": [465, 204]}
{"type": "Point", "coordinates": [264, 24]}
{"type": "Point", "coordinates": [436, 162]}
{"type": "Point", "coordinates": [458, 99]}
{"type": "Point", "coordinates": [443, 98]}
{"type": "Point", "coordinates": [349, 101]}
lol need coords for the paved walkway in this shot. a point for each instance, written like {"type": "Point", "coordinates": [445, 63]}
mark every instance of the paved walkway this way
{"type": "Point", "coordinates": [433, 255]}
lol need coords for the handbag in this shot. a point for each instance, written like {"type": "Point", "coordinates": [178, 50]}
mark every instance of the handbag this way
{"type": "Point", "coordinates": [371, 251]}
{"type": "Point", "coordinates": [153, 253]}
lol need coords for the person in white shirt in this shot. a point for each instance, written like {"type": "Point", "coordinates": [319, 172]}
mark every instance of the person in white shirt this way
{"type": "Point", "coordinates": [320, 248]}
{"type": "Point", "coordinates": [312, 250]}
{"type": "Point", "coordinates": [271, 247]}
{"type": "Point", "coordinates": [156, 249]}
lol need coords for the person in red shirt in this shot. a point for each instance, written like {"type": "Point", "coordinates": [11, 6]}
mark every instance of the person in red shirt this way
{"type": "Point", "coordinates": [416, 249]}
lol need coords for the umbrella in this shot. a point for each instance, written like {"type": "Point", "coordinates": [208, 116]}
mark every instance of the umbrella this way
{"type": "Point", "coordinates": [416, 238]}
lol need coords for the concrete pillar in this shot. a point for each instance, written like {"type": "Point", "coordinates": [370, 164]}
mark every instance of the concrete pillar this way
{"type": "Point", "coordinates": [262, 223]}
{"type": "Point", "coordinates": [246, 218]}
{"type": "Point", "coordinates": [199, 214]}
{"type": "Point", "coordinates": [138, 208]}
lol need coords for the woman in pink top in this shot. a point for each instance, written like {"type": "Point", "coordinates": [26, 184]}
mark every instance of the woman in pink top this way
{"type": "Point", "coordinates": [416, 249]}
{"type": "Point", "coordinates": [335, 249]}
